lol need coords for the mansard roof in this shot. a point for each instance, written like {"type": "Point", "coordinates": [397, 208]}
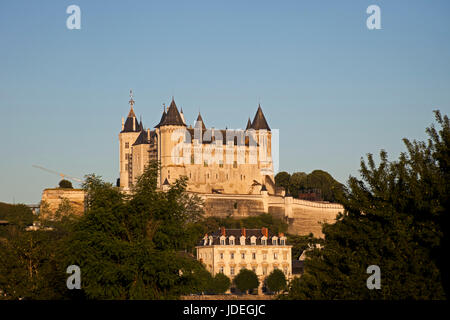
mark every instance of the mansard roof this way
{"type": "Point", "coordinates": [237, 233]}
{"type": "Point", "coordinates": [246, 139]}
{"type": "Point", "coordinates": [259, 122]}
{"type": "Point", "coordinates": [173, 117]}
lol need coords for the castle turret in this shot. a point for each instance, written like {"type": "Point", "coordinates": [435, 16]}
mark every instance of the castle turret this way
{"type": "Point", "coordinates": [170, 124]}
{"type": "Point", "coordinates": [131, 129]}
{"type": "Point", "coordinates": [264, 138]}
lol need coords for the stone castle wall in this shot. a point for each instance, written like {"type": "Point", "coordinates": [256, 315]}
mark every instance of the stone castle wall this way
{"type": "Point", "coordinates": [54, 197]}
{"type": "Point", "coordinates": [303, 217]}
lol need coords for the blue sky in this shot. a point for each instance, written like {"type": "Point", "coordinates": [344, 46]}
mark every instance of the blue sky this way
{"type": "Point", "coordinates": [333, 88]}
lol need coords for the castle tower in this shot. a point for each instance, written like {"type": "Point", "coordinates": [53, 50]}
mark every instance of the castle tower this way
{"type": "Point", "coordinates": [264, 139]}
{"type": "Point", "coordinates": [131, 129]}
{"type": "Point", "coordinates": [170, 123]}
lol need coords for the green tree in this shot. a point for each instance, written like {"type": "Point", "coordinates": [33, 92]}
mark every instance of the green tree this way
{"type": "Point", "coordinates": [282, 180]}
{"type": "Point", "coordinates": [246, 280]}
{"type": "Point", "coordinates": [31, 261]}
{"type": "Point", "coordinates": [297, 182]}
{"type": "Point", "coordinates": [394, 219]}
{"type": "Point", "coordinates": [65, 184]}
{"type": "Point", "coordinates": [276, 281]}
{"type": "Point", "coordinates": [128, 246]}
{"type": "Point", "coordinates": [220, 284]}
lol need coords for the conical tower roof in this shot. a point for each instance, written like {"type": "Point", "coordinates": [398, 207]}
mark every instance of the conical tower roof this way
{"type": "Point", "coordinates": [199, 122]}
{"type": "Point", "coordinates": [173, 117]}
{"type": "Point", "coordinates": [131, 124]}
{"type": "Point", "coordinates": [249, 124]}
{"type": "Point", "coordinates": [259, 122]}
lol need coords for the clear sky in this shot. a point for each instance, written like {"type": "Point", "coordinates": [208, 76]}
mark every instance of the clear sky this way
{"type": "Point", "coordinates": [334, 89]}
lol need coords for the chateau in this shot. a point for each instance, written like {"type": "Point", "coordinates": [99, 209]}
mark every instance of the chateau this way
{"type": "Point", "coordinates": [231, 170]}
{"type": "Point", "coordinates": [214, 160]}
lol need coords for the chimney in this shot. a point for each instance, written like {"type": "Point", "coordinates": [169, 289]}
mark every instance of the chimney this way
{"type": "Point", "coordinates": [222, 231]}
{"type": "Point", "coordinates": [280, 235]}
{"type": "Point", "coordinates": [243, 233]}
{"type": "Point", "coordinates": [265, 232]}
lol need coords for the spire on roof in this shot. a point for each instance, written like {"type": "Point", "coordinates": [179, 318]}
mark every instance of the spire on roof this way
{"type": "Point", "coordinates": [131, 114]}
{"type": "Point", "coordinates": [259, 122]}
{"type": "Point", "coordinates": [165, 183]}
{"type": "Point", "coordinates": [131, 124]}
{"type": "Point", "coordinates": [249, 124]}
{"type": "Point", "coordinates": [199, 122]}
{"type": "Point", "coordinates": [182, 116]}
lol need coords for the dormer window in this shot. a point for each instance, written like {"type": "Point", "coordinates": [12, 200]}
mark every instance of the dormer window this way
{"type": "Point", "coordinates": [231, 241]}
{"type": "Point", "coordinates": [274, 241]}
{"type": "Point", "coordinates": [210, 240]}
{"type": "Point", "coordinates": [264, 241]}
{"type": "Point", "coordinates": [222, 240]}
{"type": "Point", "coordinates": [282, 242]}
{"type": "Point", "coordinates": [253, 240]}
{"type": "Point", "coordinates": [242, 241]}
{"type": "Point", "coordinates": [127, 145]}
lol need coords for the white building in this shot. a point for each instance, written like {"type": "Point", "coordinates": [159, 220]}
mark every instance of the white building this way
{"type": "Point", "coordinates": [230, 250]}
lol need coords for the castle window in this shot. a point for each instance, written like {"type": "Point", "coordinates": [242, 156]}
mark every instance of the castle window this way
{"type": "Point", "coordinates": [232, 255]}
{"type": "Point", "coordinates": [264, 270]}
{"type": "Point", "coordinates": [127, 145]}
{"type": "Point", "coordinates": [264, 256]}
{"type": "Point", "coordinates": [205, 163]}
{"type": "Point", "coordinates": [263, 242]}
{"type": "Point", "coordinates": [231, 242]}
{"type": "Point", "coordinates": [232, 271]}
{"type": "Point", "coordinates": [274, 242]}
{"type": "Point", "coordinates": [235, 164]}
{"type": "Point", "coordinates": [285, 270]}
{"type": "Point", "coordinates": [190, 175]}
{"type": "Point", "coordinates": [217, 176]}
{"type": "Point", "coordinates": [192, 159]}
{"type": "Point", "coordinates": [254, 269]}
{"type": "Point", "coordinates": [254, 255]}
{"type": "Point", "coordinates": [282, 242]}
{"type": "Point", "coordinates": [220, 164]}
{"type": "Point", "coordinates": [126, 166]}
{"type": "Point", "coordinates": [221, 256]}
{"type": "Point", "coordinates": [222, 242]}
{"type": "Point", "coordinates": [241, 177]}
{"type": "Point", "coordinates": [221, 270]}
{"type": "Point", "coordinates": [243, 256]}
{"type": "Point", "coordinates": [275, 256]}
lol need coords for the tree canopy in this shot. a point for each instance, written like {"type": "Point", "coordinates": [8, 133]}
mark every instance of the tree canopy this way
{"type": "Point", "coordinates": [246, 280]}
{"type": "Point", "coordinates": [65, 184]}
{"type": "Point", "coordinates": [276, 281]}
{"type": "Point", "coordinates": [396, 217]}
{"type": "Point", "coordinates": [300, 182]}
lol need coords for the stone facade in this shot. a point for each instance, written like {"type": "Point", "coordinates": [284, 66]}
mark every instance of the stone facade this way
{"type": "Point", "coordinates": [54, 197]}
{"type": "Point", "coordinates": [214, 160]}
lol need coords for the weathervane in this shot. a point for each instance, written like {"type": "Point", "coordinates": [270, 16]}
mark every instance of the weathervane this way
{"type": "Point", "coordinates": [131, 98]}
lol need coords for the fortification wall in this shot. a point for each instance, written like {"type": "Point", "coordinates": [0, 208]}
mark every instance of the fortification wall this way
{"type": "Point", "coordinates": [303, 217]}
{"type": "Point", "coordinates": [54, 197]}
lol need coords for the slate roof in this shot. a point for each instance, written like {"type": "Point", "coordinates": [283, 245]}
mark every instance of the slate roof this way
{"type": "Point", "coordinates": [249, 124]}
{"type": "Point", "coordinates": [237, 235]}
{"type": "Point", "coordinates": [173, 117]}
{"type": "Point", "coordinates": [246, 140]}
{"type": "Point", "coordinates": [199, 122]}
{"type": "Point", "coordinates": [259, 122]}
{"type": "Point", "coordinates": [128, 126]}
{"type": "Point", "coordinates": [163, 116]}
